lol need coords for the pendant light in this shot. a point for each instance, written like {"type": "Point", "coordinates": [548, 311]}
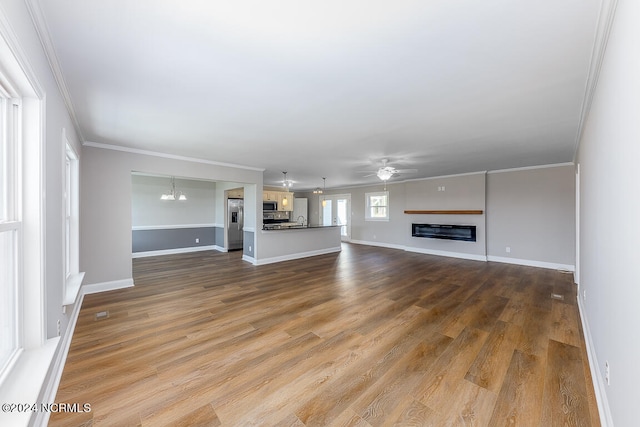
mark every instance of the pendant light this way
{"type": "Point", "coordinates": [286, 184]}
{"type": "Point", "coordinates": [324, 186]}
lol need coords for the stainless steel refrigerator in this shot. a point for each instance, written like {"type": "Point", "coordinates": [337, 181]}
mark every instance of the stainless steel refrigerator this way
{"type": "Point", "coordinates": [235, 223]}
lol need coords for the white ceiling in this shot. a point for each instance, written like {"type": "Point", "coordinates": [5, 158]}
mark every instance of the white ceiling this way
{"type": "Point", "coordinates": [329, 88]}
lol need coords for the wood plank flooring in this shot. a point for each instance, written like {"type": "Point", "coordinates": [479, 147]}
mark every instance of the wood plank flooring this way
{"type": "Point", "coordinates": [365, 337]}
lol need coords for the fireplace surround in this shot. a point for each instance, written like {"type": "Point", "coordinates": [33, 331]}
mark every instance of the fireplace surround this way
{"type": "Point", "coordinates": [465, 233]}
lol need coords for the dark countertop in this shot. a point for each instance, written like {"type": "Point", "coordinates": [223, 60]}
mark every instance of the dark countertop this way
{"type": "Point", "coordinates": [280, 227]}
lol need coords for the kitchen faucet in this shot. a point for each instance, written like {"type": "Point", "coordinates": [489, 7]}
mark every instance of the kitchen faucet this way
{"type": "Point", "coordinates": [300, 222]}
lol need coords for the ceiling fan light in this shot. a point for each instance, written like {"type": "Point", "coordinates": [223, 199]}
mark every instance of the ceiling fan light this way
{"type": "Point", "coordinates": [384, 174]}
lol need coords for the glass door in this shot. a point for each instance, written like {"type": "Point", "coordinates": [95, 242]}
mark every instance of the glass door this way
{"type": "Point", "coordinates": [335, 210]}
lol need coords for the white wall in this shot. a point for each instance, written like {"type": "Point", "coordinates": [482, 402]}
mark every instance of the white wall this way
{"type": "Point", "coordinates": [149, 210]}
{"type": "Point", "coordinates": [608, 157]}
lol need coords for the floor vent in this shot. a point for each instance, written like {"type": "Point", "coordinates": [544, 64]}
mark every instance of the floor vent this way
{"type": "Point", "coordinates": [102, 315]}
{"type": "Point", "coordinates": [558, 297]}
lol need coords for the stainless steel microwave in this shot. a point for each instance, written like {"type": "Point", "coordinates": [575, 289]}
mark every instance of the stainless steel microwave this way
{"type": "Point", "coordinates": [269, 206]}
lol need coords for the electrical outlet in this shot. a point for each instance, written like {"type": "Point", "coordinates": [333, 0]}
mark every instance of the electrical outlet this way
{"type": "Point", "coordinates": [197, 240]}
{"type": "Point", "coordinates": [508, 249]}
{"type": "Point", "coordinates": [584, 295]}
{"type": "Point", "coordinates": [249, 248]}
{"type": "Point", "coordinates": [607, 373]}
{"type": "Point", "coordinates": [58, 327]}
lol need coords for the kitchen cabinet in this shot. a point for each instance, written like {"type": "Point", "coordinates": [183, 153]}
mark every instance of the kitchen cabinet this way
{"type": "Point", "coordinates": [279, 196]}
{"type": "Point", "coordinates": [270, 196]}
{"type": "Point", "coordinates": [236, 193]}
{"type": "Point", "coordinates": [281, 204]}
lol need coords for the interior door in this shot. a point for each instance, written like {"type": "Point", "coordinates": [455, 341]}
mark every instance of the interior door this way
{"type": "Point", "coordinates": [336, 210]}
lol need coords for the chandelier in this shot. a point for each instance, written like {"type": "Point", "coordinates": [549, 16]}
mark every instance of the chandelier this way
{"type": "Point", "coordinates": [172, 194]}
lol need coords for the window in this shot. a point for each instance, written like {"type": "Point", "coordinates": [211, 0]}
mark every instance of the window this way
{"type": "Point", "coordinates": [10, 229]}
{"type": "Point", "coordinates": [377, 206]}
{"type": "Point", "coordinates": [71, 223]}
{"type": "Point", "coordinates": [73, 278]}
{"type": "Point", "coordinates": [22, 290]}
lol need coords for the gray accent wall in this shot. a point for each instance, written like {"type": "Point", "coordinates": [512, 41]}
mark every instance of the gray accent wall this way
{"type": "Point", "coordinates": [172, 238]}
{"type": "Point", "coordinates": [219, 237]}
{"type": "Point", "coordinates": [532, 211]}
{"type": "Point", "coordinates": [248, 246]}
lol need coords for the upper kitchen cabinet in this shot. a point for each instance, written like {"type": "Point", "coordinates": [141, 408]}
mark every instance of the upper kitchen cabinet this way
{"type": "Point", "coordinates": [235, 193]}
{"type": "Point", "coordinates": [285, 201]}
{"type": "Point", "coordinates": [270, 196]}
{"type": "Point", "coordinates": [279, 197]}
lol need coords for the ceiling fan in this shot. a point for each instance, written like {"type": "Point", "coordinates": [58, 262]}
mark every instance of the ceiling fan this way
{"type": "Point", "coordinates": [385, 172]}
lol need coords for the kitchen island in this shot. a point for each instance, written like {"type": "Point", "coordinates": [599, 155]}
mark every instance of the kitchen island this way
{"type": "Point", "coordinates": [296, 241]}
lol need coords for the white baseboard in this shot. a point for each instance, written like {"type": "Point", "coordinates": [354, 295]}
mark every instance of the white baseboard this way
{"type": "Point", "coordinates": [531, 263]}
{"type": "Point", "coordinates": [604, 410]}
{"type": "Point", "coordinates": [474, 257]}
{"type": "Point", "coordinates": [170, 227]}
{"type": "Point", "coordinates": [250, 259]}
{"type": "Point", "coordinates": [177, 251]}
{"type": "Point", "coordinates": [95, 288]}
{"type": "Point", "coordinates": [462, 255]}
{"type": "Point", "coordinates": [378, 244]}
{"type": "Point", "coordinates": [51, 383]}
{"type": "Point", "coordinates": [297, 256]}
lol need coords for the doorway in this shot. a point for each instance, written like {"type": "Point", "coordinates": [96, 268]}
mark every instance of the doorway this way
{"type": "Point", "coordinates": [337, 211]}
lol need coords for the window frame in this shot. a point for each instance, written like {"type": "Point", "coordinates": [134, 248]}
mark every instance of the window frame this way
{"type": "Point", "coordinates": [35, 351]}
{"type": "Point", "coordinates": [369, 216]}
{"type": "Point", "coordinates": [11, 219]}
{"type": "Point", "coordinates": [70, 208]}
{"type": "Point", "coordinates": [71, 222]}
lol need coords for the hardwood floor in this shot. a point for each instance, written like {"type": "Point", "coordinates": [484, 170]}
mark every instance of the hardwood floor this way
{"type": "Point", "coordinates": [366, 337]}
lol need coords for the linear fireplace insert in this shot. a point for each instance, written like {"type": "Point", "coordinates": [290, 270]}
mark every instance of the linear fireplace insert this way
{"type": "Point", "coordinates": [466, 233]}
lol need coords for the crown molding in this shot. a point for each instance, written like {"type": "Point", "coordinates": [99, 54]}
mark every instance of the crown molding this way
{"type": "Point", "coordinates": [13, 44]}
{"type": "Point", "coordinates": [167, 156]}
{"type": "Point", "coordinates": [526, 168]}
{"type": "Point", "coordinates": [42, 29]}
{"type": "Point", "coordinates": [603, 29]}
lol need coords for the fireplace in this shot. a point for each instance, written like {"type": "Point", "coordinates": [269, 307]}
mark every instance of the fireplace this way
{"type": "Point", "coordinates": [465, 233]}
